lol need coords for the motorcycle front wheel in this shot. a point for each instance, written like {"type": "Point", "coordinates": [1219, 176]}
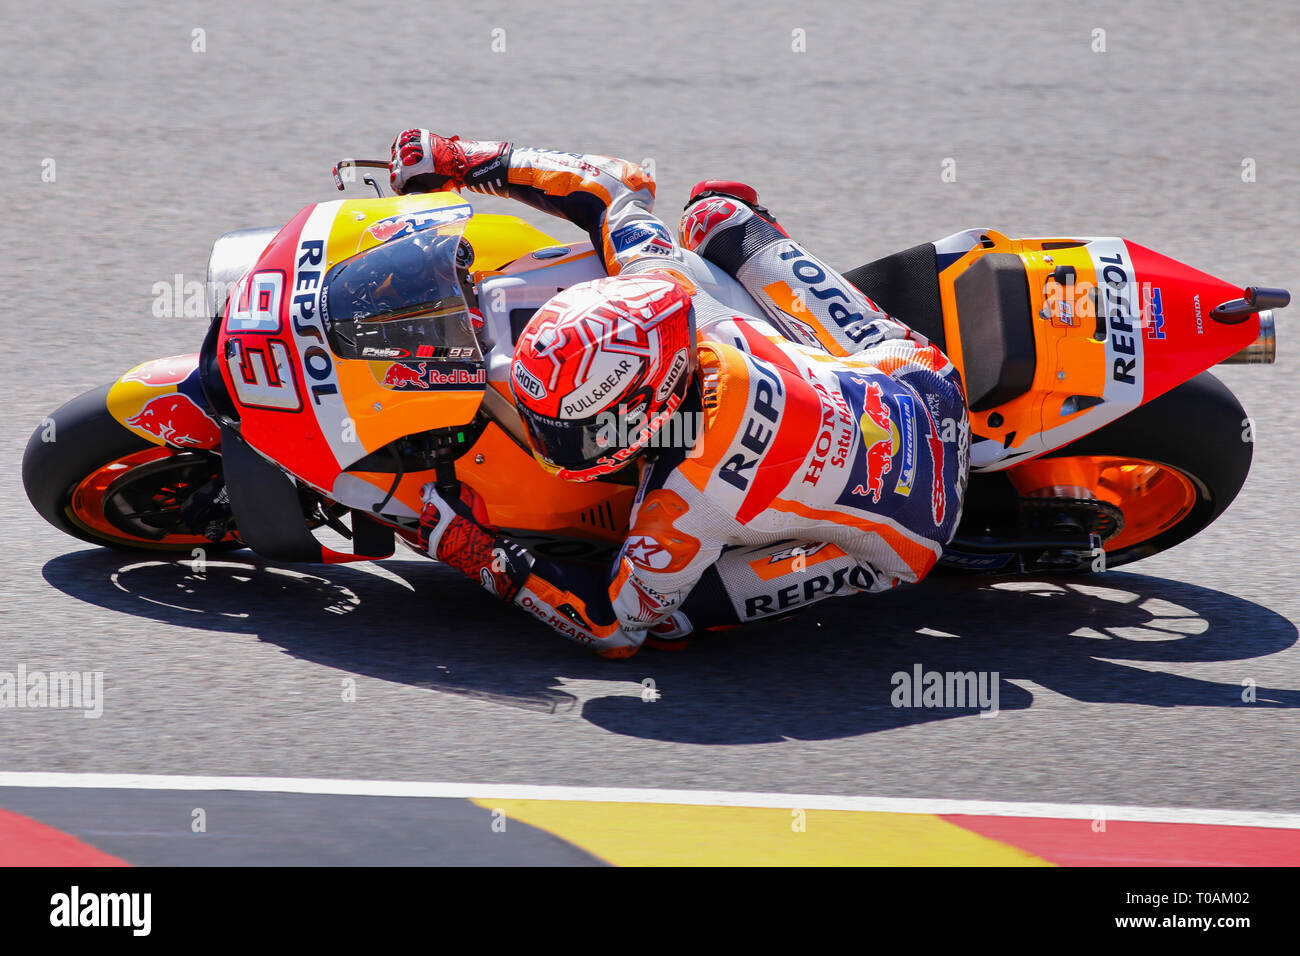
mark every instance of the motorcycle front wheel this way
{"type": "Point", "coordinates": [96, 480]}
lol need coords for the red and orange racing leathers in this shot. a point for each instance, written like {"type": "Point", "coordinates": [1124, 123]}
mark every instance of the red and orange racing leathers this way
{"type": "Point", "coordinates": [831, 452]}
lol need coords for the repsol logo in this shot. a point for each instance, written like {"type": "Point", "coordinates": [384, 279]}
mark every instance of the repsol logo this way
{"type": "Point", "coordinates": [812, 275]}
{"type": "Point", "coordinates": [755, 436]}
{"type": "Point", "coordinates": [1122, 340]}
{"type": "Point", "coordinates": [807, 591]}
{"type": "Point", "coordinates": [317, 360]}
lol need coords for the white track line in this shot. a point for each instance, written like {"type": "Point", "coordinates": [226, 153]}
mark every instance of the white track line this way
{"type": "Point", "coordinates": [720, 798]}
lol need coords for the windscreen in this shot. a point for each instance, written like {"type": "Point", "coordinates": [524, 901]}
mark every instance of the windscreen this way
{"type": "Point", "coordinates": [401, 299]}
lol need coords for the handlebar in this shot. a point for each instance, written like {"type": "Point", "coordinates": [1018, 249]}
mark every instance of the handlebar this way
{"type": "Point", "coordinates": [434, 182]}
{"type": "Point", "coordinates": [359, 164]}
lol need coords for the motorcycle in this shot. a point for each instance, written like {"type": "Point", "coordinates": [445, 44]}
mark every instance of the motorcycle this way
{"type": "Point", "coordinates": [1098, 437]}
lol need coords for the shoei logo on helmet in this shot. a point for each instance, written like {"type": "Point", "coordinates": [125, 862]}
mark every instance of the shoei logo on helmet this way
{"type": "Point", "coordinates": [674, 373]}
{"type": "Point", "coordinates": [527, 381]}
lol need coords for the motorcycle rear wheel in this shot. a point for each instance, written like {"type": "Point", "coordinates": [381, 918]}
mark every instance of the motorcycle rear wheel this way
{"type": "Point", "coordinates": [1172, 466]}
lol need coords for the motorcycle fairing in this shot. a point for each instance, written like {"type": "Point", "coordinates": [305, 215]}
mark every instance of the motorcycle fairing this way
{"type": "Point", "coordinates": [268, 512]}
{"type": "Point", "coordinates": [299, 405]}
{"type": "Point", "coordinates": [544, 504]}
{"type": "Point", "coordinates": [163, 402]}
{"type": "Point", "coordinates": [1112, 324]}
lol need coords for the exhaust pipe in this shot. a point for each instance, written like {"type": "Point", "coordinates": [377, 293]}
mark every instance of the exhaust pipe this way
{"type": "Point", "coordinates": [1262, 351]}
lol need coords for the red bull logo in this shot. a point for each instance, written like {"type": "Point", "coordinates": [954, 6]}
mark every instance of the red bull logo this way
{"type": "Point", "coordinates": [177, 420]}
{"type": "Point", "coordinates": [404, 376]}
{"type": "Point", "coordinates": [164, 371]}
{"type": "Point", "coordinates": [401, 376]}
{"type": "Point", "coordinates": [387, 229]}
{"type": "Point", "coordinates": [880, 438]}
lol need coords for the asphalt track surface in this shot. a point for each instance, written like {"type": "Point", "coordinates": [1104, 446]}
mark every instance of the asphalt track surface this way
{"type": "Point", "coordinates": [1124, 688]}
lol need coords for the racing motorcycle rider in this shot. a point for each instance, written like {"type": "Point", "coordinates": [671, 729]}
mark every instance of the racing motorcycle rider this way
{"type": "Point", "coordinates": [828, 453]}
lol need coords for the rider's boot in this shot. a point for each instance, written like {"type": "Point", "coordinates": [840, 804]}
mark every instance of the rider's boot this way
{"type": "Point", "coordinates": [724, 223]}
{"type": "Point", "coordinates": [806, 300]}
{"type": "Point", "coordinates": [731, 189]}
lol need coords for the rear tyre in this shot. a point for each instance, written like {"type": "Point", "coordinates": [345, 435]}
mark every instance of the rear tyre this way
{"type": "Point", "coordinates": [1192, 443]}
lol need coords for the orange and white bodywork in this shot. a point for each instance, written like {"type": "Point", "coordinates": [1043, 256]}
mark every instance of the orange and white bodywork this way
{"type": "Point", "coordinates": [1115, 325]}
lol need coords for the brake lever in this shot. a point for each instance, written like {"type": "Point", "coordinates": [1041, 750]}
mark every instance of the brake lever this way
{"type": "Point", "coordinates": [357, 164]}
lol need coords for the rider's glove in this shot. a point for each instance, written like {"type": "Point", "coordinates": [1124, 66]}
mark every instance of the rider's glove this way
{"type": "Point", "coordinates": [453, 532]}
{"type": "Point", "coordinates": [423, 161]}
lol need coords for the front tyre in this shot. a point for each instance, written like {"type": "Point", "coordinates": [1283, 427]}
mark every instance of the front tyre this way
{"type": "Point", "coordinates": [94, 479]}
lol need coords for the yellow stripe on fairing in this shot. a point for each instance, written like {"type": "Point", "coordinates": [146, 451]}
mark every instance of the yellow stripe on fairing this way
{"type": "Point", "coordinates": [656, 834]}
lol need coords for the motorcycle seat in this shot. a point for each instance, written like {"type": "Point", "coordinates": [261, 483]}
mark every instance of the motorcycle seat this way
{"type": "Point", "coordinates": [995, 321]}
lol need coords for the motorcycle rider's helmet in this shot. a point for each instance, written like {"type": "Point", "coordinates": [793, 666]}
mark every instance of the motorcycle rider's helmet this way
{"type": "Point", "coordinates": [601, 368]}
{"type": "Point", "coordinates": [401, 298]}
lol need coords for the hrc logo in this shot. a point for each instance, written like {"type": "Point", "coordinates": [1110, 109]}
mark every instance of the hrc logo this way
{"type": "Point", "coordinates": [1155, 324]}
